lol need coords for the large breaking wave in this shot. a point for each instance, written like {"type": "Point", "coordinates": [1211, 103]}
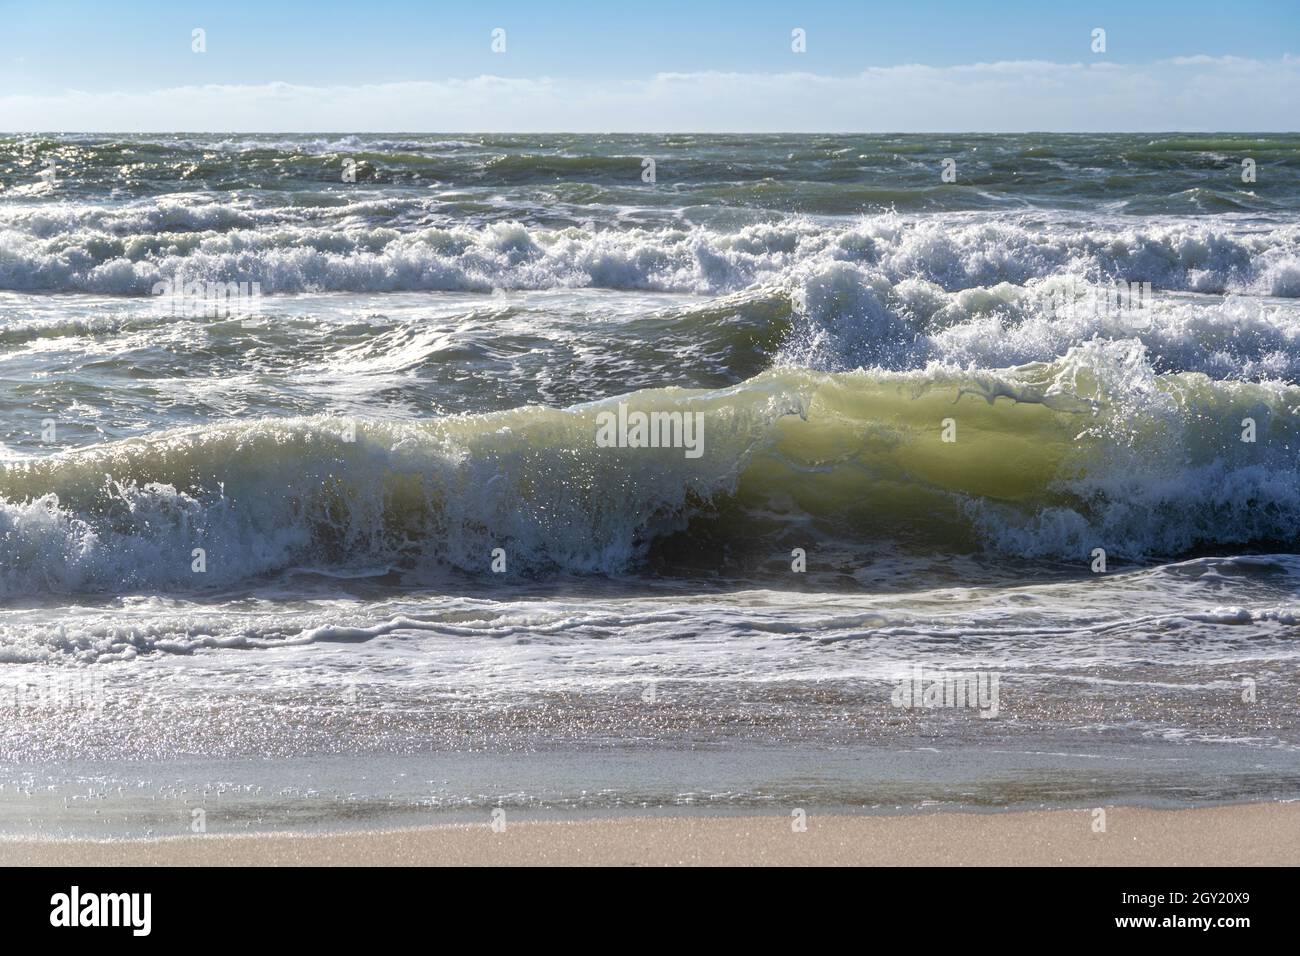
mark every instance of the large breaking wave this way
{"type": "Point", "coordinates": [1050, 460]}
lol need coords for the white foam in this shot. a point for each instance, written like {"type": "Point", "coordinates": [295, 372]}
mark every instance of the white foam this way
{"type": "Point", "coordinates": [125, 249]}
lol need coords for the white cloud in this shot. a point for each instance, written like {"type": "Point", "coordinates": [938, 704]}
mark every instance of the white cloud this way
{"type": "Point", "coordinates": [1185, 93]}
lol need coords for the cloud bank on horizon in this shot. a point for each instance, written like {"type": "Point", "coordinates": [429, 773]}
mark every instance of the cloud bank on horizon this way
{"type": "Point", "coordinates": [1186, 93]}
{"type": "Point", "coordinates": [410, 66]}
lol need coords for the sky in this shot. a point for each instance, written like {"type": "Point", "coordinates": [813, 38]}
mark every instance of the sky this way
{"type": "Point", "coordinates": [656, 66]}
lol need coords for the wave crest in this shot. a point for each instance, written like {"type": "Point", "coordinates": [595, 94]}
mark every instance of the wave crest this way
{"type": "Point", "coordinates": [1050, 460]}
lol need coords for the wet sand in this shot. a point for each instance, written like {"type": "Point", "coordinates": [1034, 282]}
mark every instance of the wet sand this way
{"type": "Point", "coordinates": [1245, 835]}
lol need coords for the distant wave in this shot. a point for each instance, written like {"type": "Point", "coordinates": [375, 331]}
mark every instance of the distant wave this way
{"type": "Point", "coordinates": [127, 250]}
{"type": "Point", "coordinates": [812, 174]}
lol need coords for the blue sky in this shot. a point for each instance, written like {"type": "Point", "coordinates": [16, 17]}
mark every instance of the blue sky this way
{"type": "Point", "coordinates": [70, 63]}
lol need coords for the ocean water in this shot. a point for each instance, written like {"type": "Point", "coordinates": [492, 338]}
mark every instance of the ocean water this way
{"type": "Point", "coordinates": [348, 547]}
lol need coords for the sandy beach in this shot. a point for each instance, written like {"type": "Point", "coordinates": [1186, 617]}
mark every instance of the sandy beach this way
{"type": "Point", "coordinates": [1249, 835]}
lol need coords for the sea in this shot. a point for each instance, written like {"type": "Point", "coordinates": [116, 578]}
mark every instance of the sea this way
{"type": "Point", "coordinates": [377, 480]}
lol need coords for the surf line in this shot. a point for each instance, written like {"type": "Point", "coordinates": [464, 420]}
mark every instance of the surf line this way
{"type": "Point", "coordinates": [656, 429]}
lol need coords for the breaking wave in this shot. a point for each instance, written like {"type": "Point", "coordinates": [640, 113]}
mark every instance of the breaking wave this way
{"type": "Point", "coordinates": [126, 250]}
{"type": "Point", "coordinates": [1050, 460]}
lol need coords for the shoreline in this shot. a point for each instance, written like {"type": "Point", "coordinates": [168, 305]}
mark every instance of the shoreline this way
{"type": "Point", "coordinates": [1260, 834]}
